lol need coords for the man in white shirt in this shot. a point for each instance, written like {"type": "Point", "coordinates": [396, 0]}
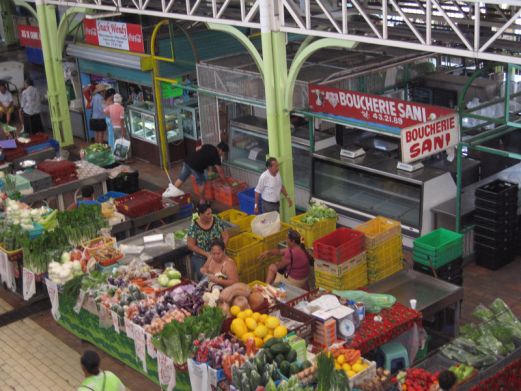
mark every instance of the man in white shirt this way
{"type": "Point", "coordinates": [30, 108]}
{"type": "Point", "coordinates": [269, 188]}
{"type": "Point", "coordinates": [6, 103]}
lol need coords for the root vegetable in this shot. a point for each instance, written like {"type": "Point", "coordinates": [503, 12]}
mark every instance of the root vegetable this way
{"type": "Point", "coordinates": [238, 289]}
{"type": "Point", "coordinates": [241, 302]}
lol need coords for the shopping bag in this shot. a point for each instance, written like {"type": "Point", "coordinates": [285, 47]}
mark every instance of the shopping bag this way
{"type": "Point", "coordinates": [266, 224]}
{"type": "Point", "coordinates": [121, 148]}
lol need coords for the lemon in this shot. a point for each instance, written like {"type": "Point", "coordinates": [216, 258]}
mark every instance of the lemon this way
{"type": "Point", "coordinates": [350, 374]}
{"type": "Point", "coordinates": [238, 327]}
{"type": "Point", "coordinates": [359, 361]}
{"type": "Point", "coordinates": [256, 316]}
{"type": "Point", "coordinates": [259, 342]}
{"type": "Point", "coordinates": [280, 332]}
{"type": "Point", "coordinates": [357, 368]}
{"type": "Point", "coordinates": [267, 338]}
{"type": "Point", "coordinates": [261, 331]}
{"type": "Point", "coordinates": [341, 359]}
{"type": "Point", "coordinates": [247, 336]}
{"type": "Point", "coordinates": [251, 324]}
{"type": "Point", "coordinates": [337, 366]}
{"type": "Point", "coordinates": [272, 322]}
{"type": "Point", "coordinates": [346, 367]}
{"type": "Point", "coordinates": [235, 309]}
{"type": "Point", "coordinates": [242, 315]}
{"type": "Point", "coordinates": [249, 312]}
{"type": "Point", "coordinates": [263, 318]}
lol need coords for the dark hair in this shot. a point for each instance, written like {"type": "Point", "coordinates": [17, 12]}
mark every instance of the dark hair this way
{"type": "Point", "coordinates": [218, 243]}
{"type": "Point", "coordinates": [297, 238]}
{"type": "Point", "coordinates": [29, 82]}
{"type": "Point", "coordinates": [3, 83]}
{"type": "Point", "coordinates": [446, 380]}
{"type": "Point", "coordinates": [201, 208]}
{"type": "Point", "coordinates": [87, 191]}
{"type": "Point", "coordinates": [90, 361]}
{"type": "Point", "coordinates": [223, 147]}
{"type": "Point", "coordinates": [270, 161]}
{"type": "Point", "coordinates": [110, 92]}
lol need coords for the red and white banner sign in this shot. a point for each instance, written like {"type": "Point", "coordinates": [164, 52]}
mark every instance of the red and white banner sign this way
{"type": "Point", "coordinates": [116, 35]}
{"type": "Point", "coordinates": [29, 36]}
{"type": "Point", "coordinates": [425, 139]}
{"type": "Point", "coordinates": [372, 108]}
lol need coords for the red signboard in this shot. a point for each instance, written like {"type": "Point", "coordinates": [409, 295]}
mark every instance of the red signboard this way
{"type": "Point", "coordinates": [372, 108]}
{"type": "Point", "coordinates": [29, 36]}
{"type": "Point", "coordinates": [116, 35]}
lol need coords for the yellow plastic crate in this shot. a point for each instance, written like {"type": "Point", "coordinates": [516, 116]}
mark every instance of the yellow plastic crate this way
{"type": "Point", "coordinates": [232, 215]}
{"type": "Point", "coordinates": [273, 240]}
{"type": "Point", "coordinates": [339, 270]}
{"type": "Point", "coordinates": [315, 231]}
{"type": "Point", "coordinates": [244, 248]}
{"type": "Point", "coordinates": [355, 278]}
{"type": "Point", "coordinates": [245, 223]}
{"type": "Point", "coordinates": [255, 273]}
{"type": "Point", "coordinates": [378, 230]}
{"type": "Point", "coordinates": [377, 275]}
{"type": "Point", "coordinates": [386, 252]}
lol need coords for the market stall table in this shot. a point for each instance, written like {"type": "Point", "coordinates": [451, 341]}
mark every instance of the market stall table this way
{"type": "Point", "coordinates": [432, 295]}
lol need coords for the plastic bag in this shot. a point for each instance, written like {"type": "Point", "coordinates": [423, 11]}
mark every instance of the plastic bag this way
{"type": "Point", "coordinates": [121, 148]}
{"type": "Point", "coordinates": [266, 224]}
{"type": "Point", "coordinates": [100, 158]}
{"type": "Point", "coordinates": [374, 302]}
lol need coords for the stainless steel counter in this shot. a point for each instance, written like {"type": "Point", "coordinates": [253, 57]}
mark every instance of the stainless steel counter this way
{"type": "Point", "coordinates": [432, 295]}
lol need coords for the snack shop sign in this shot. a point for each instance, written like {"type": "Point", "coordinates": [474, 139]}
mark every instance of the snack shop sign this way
{"type": "Point", "coordinates": [424, 129]}
{"type": "Point", "coordinates": [116, 35]}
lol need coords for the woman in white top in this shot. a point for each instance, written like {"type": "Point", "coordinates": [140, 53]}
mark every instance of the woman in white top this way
{"type": "Point", "coordinates": [269, 188]}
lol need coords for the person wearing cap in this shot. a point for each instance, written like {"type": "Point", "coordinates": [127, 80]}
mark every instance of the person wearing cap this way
{"type": "Point", "coordinates": [30, 108]}
{"type": "Point", "coordinates": [95, 378]}
{"type": "Point", "coordinates": [269, 188]}
{"type": "Point", "coordinates": [197, 162]}
{"type": "Point", "coordinates": [97, 120]}
{"type": "Point", "coordinates": [6, 103]}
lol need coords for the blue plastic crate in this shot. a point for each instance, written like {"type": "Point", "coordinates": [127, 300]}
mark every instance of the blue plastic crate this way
{"type": "Point", "coordinates": [247, 201]}
{"type": "Point", "coordinates": [36, 231]}
{"type": "Point", "coordinates": [111, 194]}
{"type": "Point", "coordinates": [185, 211]}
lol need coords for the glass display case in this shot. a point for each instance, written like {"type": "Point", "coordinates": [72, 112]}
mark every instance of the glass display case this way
{"type": "Point", "coordinates": [143, 126]}
{"type": "Point", "coordinates": [189, 120]}
{"type": "Point", "coordinates": [249, 147]}
{"type": "Point", "coordinates": [371, 185]}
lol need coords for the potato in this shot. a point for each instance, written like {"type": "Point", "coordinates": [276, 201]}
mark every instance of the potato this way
{"type": "Point", "coordinates": [241, 302]}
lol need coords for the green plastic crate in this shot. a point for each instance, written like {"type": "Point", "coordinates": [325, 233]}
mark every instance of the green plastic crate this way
{"type": "Point", "coordinates": [438, 248]}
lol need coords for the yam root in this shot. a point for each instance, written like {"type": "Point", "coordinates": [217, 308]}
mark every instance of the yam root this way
{"type": "Point", "coordinates": [256, 300]}
{"type": "Point", "coordinates": [238, 289]}
{"type": "Point", "coordinates": [241, 302]}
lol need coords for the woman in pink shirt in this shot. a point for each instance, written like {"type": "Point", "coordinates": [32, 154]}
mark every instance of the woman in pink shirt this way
{"type": "Point", "coordinates": [116, 113]}
{"type": "Point", "coordinates": [294, 266]}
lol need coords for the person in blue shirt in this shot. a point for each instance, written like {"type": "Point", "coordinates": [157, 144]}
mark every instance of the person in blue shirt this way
{"type": "Point", "coordinates": [98, 123]}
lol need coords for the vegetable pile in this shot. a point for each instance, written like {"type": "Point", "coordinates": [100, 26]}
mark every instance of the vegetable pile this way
{"type": "Point", "coordinates": [18, 213]}
{"type": "Point", "coordinates": [317, 212]}
{"type": "Point", "coordinates": [416, 379]}
{"type": "Point", "coordinates": [65, 270]}
{"type": "Point", "coordinates": [463, 372]}
{"type": "Point", "coordinates": [213, 351]}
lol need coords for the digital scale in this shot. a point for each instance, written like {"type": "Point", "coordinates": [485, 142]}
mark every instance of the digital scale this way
{"type": "Point", "coordinates": [409, 167]}
{"type": "Point", "coordinates": [352, 153]}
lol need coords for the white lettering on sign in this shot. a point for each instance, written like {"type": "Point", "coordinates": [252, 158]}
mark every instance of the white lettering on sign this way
{"type": "Point", "coordinates": [426, 139]}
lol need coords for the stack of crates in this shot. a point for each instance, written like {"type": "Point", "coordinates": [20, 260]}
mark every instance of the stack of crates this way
{"type": "Point", "coordinates": [312, 232]}
{"type": "Point", "coordinates": [439, 255]}
{"type": "Point", "coordinates": [496, 225]}
{"type": "Point", "coordinates": [383, 247]}
{"type": "Point", "coordinates": [340, 262]}
{"type": "Point", "coordinates": [245, 249]}
{"type": "Point", "coordinates": [240, 221]}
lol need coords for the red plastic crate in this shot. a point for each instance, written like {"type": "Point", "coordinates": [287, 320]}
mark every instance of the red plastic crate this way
{"type": "Point", "coordinates": [13, 154]}
{"type": "Point", "coordinates": [184, 199]}
{"type": "Point", "coordinates": [208, 189]}
{"type": "Point", "coordinates": [226, 193]}
{"type": "Point", "coordinates": [139, 203]}
{"type": "Point", "coordinates": [60, 180]}
{"type": "Point", "coordinates": [36, 139]}
{"type": "Point", "coordinates": [57, 168]}
{"type": "Point", "coordinates": [339, 246]}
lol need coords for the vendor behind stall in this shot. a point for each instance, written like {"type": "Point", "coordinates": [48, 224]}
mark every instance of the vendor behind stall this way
{"type": "Point", "coordinates": [294, 266]}
{"type": "Point", "coordinates": [87, 198]}
{"type": "Point", "coordinates": [220, 268]}
{"type": "Point", "coordinates": [201, 234]}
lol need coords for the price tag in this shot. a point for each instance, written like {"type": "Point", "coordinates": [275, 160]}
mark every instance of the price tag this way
{"type": "Point", "coordinates": [105, 320]}
{"type": "Point", "coordinates": [166, 371]}
{"type": "Point", "coordinates": [3, 267]}
{"type": "Point", "coordinates": [213, 378]}
{"type": "Point", "coordinates": [11, 275]}
{"type": "Point", "coordinates": [140, 345]}
{"type": "Point", "coordinates": [129, 328]}
{"type": "Point", "coordinates": [79, 301]}
{"type": "Point", "coordinates": [52, 290]}
{"type": "Point", "coordinates": [198, 375]}
{"type": "Point", "coordinates": [29, 284]}
{"type": "Point", "coordinates": [115, 321]}
{"type": "Point", "coordinates": [151, 349]}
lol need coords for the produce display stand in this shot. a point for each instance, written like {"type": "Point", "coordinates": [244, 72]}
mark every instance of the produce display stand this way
{"type": "Point", "coordinates": [433, 296]}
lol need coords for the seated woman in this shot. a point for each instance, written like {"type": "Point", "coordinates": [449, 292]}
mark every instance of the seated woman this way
{"type": "Point", "coordinates": [220, 268]}
{"type": "Point", "coordinates": [294, 266]}
{"type": "Point", "coordinates": [201, 234]}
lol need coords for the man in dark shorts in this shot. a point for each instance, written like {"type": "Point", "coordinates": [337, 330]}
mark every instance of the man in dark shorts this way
{"type": "Point", "coordinates": [206, 157]}
{"type": "Point", "coordinates": [98, 123]}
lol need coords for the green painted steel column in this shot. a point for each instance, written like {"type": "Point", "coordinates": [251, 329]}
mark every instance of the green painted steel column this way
{"type": "Point", "coordinates": [7, 13]}
{"type": "Point", "coordinates": [56, 91]}
{"type": "Point", "coordinates": [459, 174]}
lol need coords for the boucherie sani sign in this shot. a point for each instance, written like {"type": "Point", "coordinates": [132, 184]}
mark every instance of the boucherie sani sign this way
{"type": "Point", "coordinates": [116, 35]}
{"type": "Point", "coordinates": [424, 129]}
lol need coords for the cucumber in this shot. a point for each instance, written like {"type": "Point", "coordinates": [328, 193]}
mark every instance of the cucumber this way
{"type": "Point", "coordinates": [255, 379]}
{"type": "Point", "coordinates": [291, 356]}
{"type": "Point", "coordinates": [279, 358]}
{"type": "Point", "coordinates": [280, 348]}
{"type": "Point", "coordinates": [285, 368]}
{"type": "Point", "coordinates": [294, 369]}
{"type": "Point", "coordinates": [271, 342]}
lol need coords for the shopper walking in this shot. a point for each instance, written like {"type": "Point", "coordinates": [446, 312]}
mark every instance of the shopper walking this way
{"type": "Point", "coordinates": [6, 103]}
{"type": "Point", "coordinates": [207, 157]}
{"type": "Point", "coordinates": [294, 266]}
{"type": "Point", "coordinates": [97, 121]}
{"type": "Point", "coordinates": [200, 236]}
{"type": "Point", "coordinates": [30, 108]}
{"type": "Point", "coordinates": [116, 112]}
{"type": "Point", "coordinates": [95, 378]}
{"type": "Point", "coordinates": [269, 188]}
